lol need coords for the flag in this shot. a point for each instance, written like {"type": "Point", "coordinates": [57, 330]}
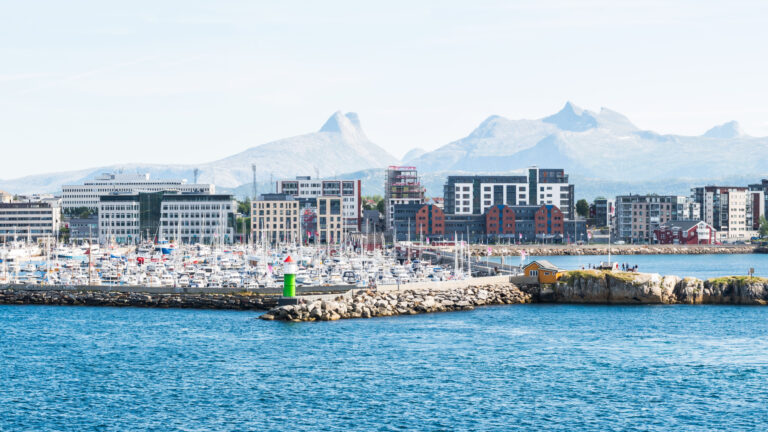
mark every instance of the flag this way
{"type": "Point", "coordinates": [521, 235]}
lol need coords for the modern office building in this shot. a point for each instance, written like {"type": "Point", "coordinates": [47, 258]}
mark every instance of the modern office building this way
{"type": "Point", "coordinates": [465, 195]}
{"type": "Point", "coordinates": [83, 229]}
{"type": "Point", "coordinates": [29, 221]}
{"type": "Point", "coordinates": [275, 219]}
{"type": "Point", "coordinates": [87, 194]}
{"type": "Point", "coordinates": [401, 186]}
{"type": "Point", "coordinates": [733, 211]}
{"type": "Point", "coordinates": [173, 216]}
{"type": "Point", "coordinates": [307, 190]}
{"type": "Point", "coordinates": [637, 216]}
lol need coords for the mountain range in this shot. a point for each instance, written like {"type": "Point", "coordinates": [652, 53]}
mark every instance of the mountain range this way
{"type": "Point", "coordinates": [339, 146]}
{"type": "Point", "coordinates": [604, 153]}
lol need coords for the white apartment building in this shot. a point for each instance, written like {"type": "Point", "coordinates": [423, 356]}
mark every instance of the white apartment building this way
{"type": "Point", "coordinates": [88, 193]}
{"type": "Point", "coordinates": [29, 221]}
{"type": "Point", "coordinates": [307, 190]}
{"type": "Point", "coordinates": [733, 211]}
{"type": "Point", "coordinates": [467, 195]}
{"type": "Point", "coordinates": [185, 218]}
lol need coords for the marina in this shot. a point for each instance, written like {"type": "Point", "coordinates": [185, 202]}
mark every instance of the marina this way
{"type": "Point", "coordinates": [239, 267]}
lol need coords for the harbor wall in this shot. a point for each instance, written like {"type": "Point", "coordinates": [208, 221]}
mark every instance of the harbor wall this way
{"type": "Point", "coordinates": [17, 296]}
{"type": "Point", "coordinates": [170, 290]}
{"type": "Point", "coordinates": [602, 249]}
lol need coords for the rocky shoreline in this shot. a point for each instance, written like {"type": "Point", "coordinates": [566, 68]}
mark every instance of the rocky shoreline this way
{"type": "Point", "coordinates": [605, 287]}
{"type": "Point", "coordinates": [577, 287]}
{"type": "Point", "coordinates": [370, 304]}
{"type": "Point", "coordinates": [121, 299]}
{"type": "Point", "coordinates": [551, 250]}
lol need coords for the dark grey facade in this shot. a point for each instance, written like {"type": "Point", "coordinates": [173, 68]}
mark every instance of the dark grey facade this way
{"type": "Point", "coordinates": [81, 229]}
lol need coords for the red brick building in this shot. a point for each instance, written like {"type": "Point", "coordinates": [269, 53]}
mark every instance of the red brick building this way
{"type": "Point", "coordinates": [430, 220]}
{"type": "Point", "coordinates": [686, 232]}
{"type": "Point", "coordinates": [499, 219]}
{"type": "Point", "coordinates": [548, 222]}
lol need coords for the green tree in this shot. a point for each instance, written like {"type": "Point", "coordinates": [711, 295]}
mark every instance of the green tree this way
{"type": "Point", "coordinates": [370, 202]}
{"type": "Point", "coordinates": [582, 208]}
{"type": "Point", "coordinates": [64, 234]}
{"type": "Point", "coordinates": [244, 207]}
{"type": "Point", "coordinates": [243, 225]}
{"type": "Point", "coordinates": [763, 227]}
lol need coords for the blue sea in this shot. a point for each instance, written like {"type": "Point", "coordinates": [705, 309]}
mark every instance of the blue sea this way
{"type": "Point", "coordinates": [505, 368]}
{"type": "Point", "coordinates": [700, 266]}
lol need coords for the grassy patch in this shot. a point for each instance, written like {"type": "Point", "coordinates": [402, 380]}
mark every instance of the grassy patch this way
{"type": "Point", "coordinates": [582, 274]}
{"type": "Point", "coordinates": [740, 279]}
{"type": "Point", "coordinates": [625, 276]}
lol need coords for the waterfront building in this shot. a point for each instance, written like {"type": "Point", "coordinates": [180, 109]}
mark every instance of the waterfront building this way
{"type": "Point", "coordinates": [87, 194]}
{"type": "Point", "coordinates": [401, 186]}
{"type": "Point", "coordinates": [732, 210]}
{"type": "Point", "coordinates": [307, 190]}
{"type": "Point", "coordinates": [500, 223]}
{"type": "Point", "coordinates": [543, 271]}
{"type": "Point", "coordinates": [464, 195]}
{"type": "Point", "coordinates": [83, 229]}
{"type": "Point", "coordinates": [330, 228]}
{"type": "Point", "coordinates": [637, 216]}
{"type": "Point", "coordinates": [275, 219]}
{"type": "Point", "coordinates": [602, 212]}
{"type": "Point", "coordinates": [761, 187]}
{"type": "Point", "coordinates": [29, 221]}
{"type": "Point", "coordinates": [686, 232]}
{"type": "Point", "coordinates": [173, 216]}
{"type": "Point", "coordinates": [372, 222]}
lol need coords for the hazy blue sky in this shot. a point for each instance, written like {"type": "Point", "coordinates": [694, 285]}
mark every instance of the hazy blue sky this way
{"type": "Point", "coordinates": [85, 83]}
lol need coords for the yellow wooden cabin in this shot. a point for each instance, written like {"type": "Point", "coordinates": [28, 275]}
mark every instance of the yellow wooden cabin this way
{"type": "Point", "coordinates": [544, 271]}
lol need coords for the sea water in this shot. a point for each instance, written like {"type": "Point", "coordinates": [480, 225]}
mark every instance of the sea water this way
{"type": "Point", "coordinates": [517, 367]}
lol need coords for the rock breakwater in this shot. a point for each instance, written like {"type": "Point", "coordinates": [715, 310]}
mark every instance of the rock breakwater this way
{"type": "Point", "coordinates": [98, 298]}
{"type": "Point", "coordinates": [369, 304]}
{"type": "Point", "coordinates": [593, 286]}
{"type": "Point", "coordinates": [550, 250]}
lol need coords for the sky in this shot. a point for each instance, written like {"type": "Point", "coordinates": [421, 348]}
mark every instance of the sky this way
{"type": "Point", "coordinates": [91, 83]}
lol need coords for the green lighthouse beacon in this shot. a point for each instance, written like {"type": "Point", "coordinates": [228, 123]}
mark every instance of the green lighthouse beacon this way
{"type": "Point", "coordinates": [289, 277]}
